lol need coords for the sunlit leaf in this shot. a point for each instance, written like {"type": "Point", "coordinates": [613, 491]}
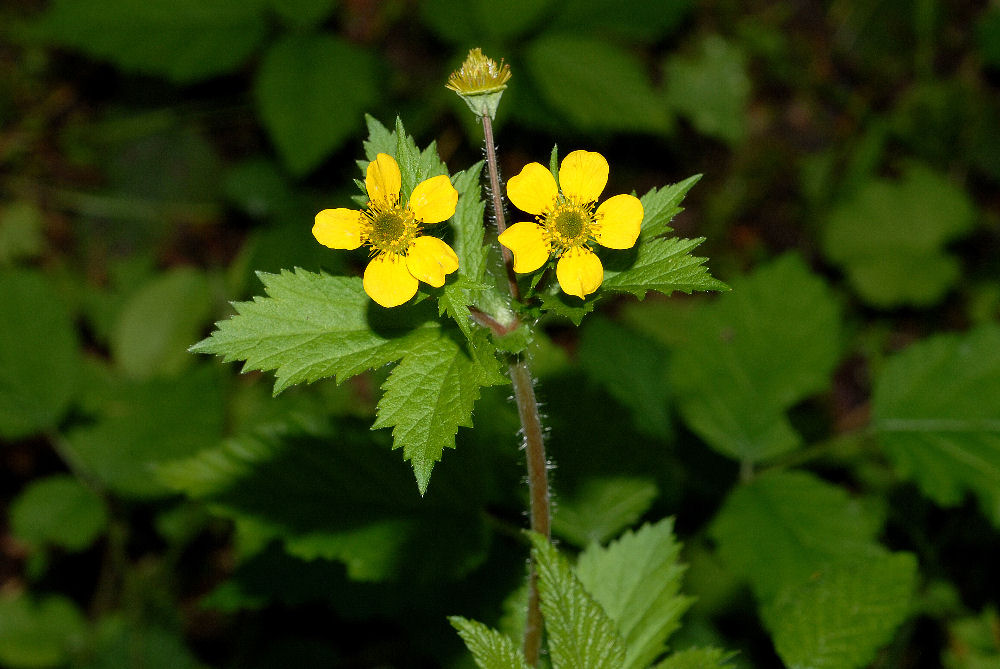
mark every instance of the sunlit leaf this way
{"type": "Point", "coordinates": [491, 649]}
{"type": "Point", "coordinates": [636, 580]}
{"type": "Point", "coordinates": [580, 633]}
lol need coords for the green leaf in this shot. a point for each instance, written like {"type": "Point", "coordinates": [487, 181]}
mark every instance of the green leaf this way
{"type": "Point", "coordinates": [580, 633]}
{"type": "Point", "coordinates": [20, 232]}
{"type": "Point", "coordinates": [711, 89]}
{"type": "Point", "coordinates": [415, 165]}
{"type": "Point", "coordinates": [697, 658]}
{"type": "Point", "coordinates": [601, 508]}
{"type": "Point", "coordinates": [660, 205]}
{"type": "Point", "coordinates": [311, 92]}
{"type": "Point", "coordinates": [428, 396]}
{"type": "Point", "coordinates": [469, 225]}
{"type": "Point", "coordinates": [595, 85]}
{"type": "Point", "coordinates": [632, 369]}
{"type": "Point", "coordinates": [380, 140]}
{"type": "Point", "coordinates": [936, 411]}
{"type": "Point", "coordinates": [39, 633]}
{"type": "Point", "coordinates": [663, 265]}
{"type": "Point", "coordinates": [973, 642]}
{"type": "Point", "coordinates": [183, 40]}
{"type": "Point", "coordinates": [159, 322]}
{"type": "Point", "coordinates": [340, 494]}
{"type": "Point", "coordinates": [143, 424]}
{"type": "Point", "coordinates": [988, 36]}
{"type": "Point", "coordinates": [782, 526]}
{"type": "Point", "coordinates": [312, 326]}
{"type": "Point", "coordinates": [844, 613]}
{"type": "Point", "coordinates": [58, 510]}
{"type": "Point", "coordinates": [888, 236]}
{"type": "Point", "coordinates": [637, 580]}
{"type": "Point", "coordinates": [39, 356]}
{"type": "Point", "coordinates": [491, 649]}
{"type": "Point", "coordinates": [752, 355]}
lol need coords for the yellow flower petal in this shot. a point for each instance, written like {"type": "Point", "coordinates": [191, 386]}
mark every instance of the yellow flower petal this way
{"type": "Point", "coordinates": [434, 200]}
{"type": "Point", "coordinates": [533, 190]}
{"type": "Point", "coordinates": [338, 228]}
{"type": "Point", "coordinates": [388, 282]}
{"type": "Point", "coordinates": [621, 219]}
{"type": "Point", "coordinates": [583, 176]}
{"type": "Point", "coordinates": [383, 179]}
{"type": "Point", "coordinates": [430, 259]}
{"type": "Point", "coordinates": [579, 272]}
{"type": "Point", "coordinates": [527, 241]}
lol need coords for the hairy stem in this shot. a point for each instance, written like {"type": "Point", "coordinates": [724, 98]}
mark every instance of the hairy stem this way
{"type": "Point", "coordinates": [531, 421]}
{"type": "Point", "coordinates": [538, 488]}
{"type": "Point", "coordinates": [491, 163]}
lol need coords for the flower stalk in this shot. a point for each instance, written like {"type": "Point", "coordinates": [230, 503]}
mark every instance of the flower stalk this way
{"type": "Point", "coordinates": [480, 82]}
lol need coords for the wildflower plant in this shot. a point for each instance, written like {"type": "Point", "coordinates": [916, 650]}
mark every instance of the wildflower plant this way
{"type": "Point", "coordinates": [453, 304]}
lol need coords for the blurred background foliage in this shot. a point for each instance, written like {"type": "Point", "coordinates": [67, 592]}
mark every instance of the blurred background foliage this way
{"type": "Point", "coordinates": [162, 511]}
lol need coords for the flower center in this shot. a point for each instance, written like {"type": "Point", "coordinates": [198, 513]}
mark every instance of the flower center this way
{"type": "Point", "coordinates": [389, 227]}
{"type": "Point", "coordinates": [569, 225]}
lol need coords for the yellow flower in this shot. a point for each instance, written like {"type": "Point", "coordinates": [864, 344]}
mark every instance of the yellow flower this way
{"type": "Point", "coordinates": [567, 221]}
{"type": "Point", "coordinates": [392, 230]}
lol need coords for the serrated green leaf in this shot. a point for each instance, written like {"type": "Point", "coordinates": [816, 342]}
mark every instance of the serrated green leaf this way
{"type": "Point", "coordinates": [636, 580]}
{"type": "Point", "coordinates": [601, 508]}
{"type": "Point", "coordinates": [595, 84]}
{"type": "Point", "coordinates": [380, 140]}
{"type": "Point", "coordinates": [183, 40]}
{"type": "Point", "coordinates": [159, 321]}
{"type": "Point", "coordinates": [468, 223]}
{"type": "Point", "coordinates": [580, 633]}
{"type": "Point", "coordinates": [491, 649]}
{"type": "Point", "coordinates": [889, 235]}
{"type": "Point", "coordinates": [753, 354]}
{"type": "Point", "coordinates": [428, 396]}
{"type": "Point", "coordinates": [660, 205]}
{"type": "Point", "coordinates": [936, 411]}
{"type": "Point", "coordinates": [58, 510]}
{"type": "Point", "coordinates": [311, 90]}
{"type": "Point", "coordinates": [39, 355]}
{"type": "Point", "coordinates": [415, 165]}
{"type": "Point", "coordinates": [663, 265]}
{"type": "Point", "coordinates": [842, 614]}
{"type": "Point", "coordinates": [38, 634]}
{"type": "Point", "coordinates": [782, 526]}
{"type": "Point", "coordinates": [633, 370]}
{"type": "Point", "coordinates": [311, 326]}
{"type": "Point", "coordinates": [711, 89]}
{"type": "Point", "coordinates": [137, 428]}
{"type": "Point", "coordinates": [335, 495]}
{"type": "Point", "coordinates": [697, 658]}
